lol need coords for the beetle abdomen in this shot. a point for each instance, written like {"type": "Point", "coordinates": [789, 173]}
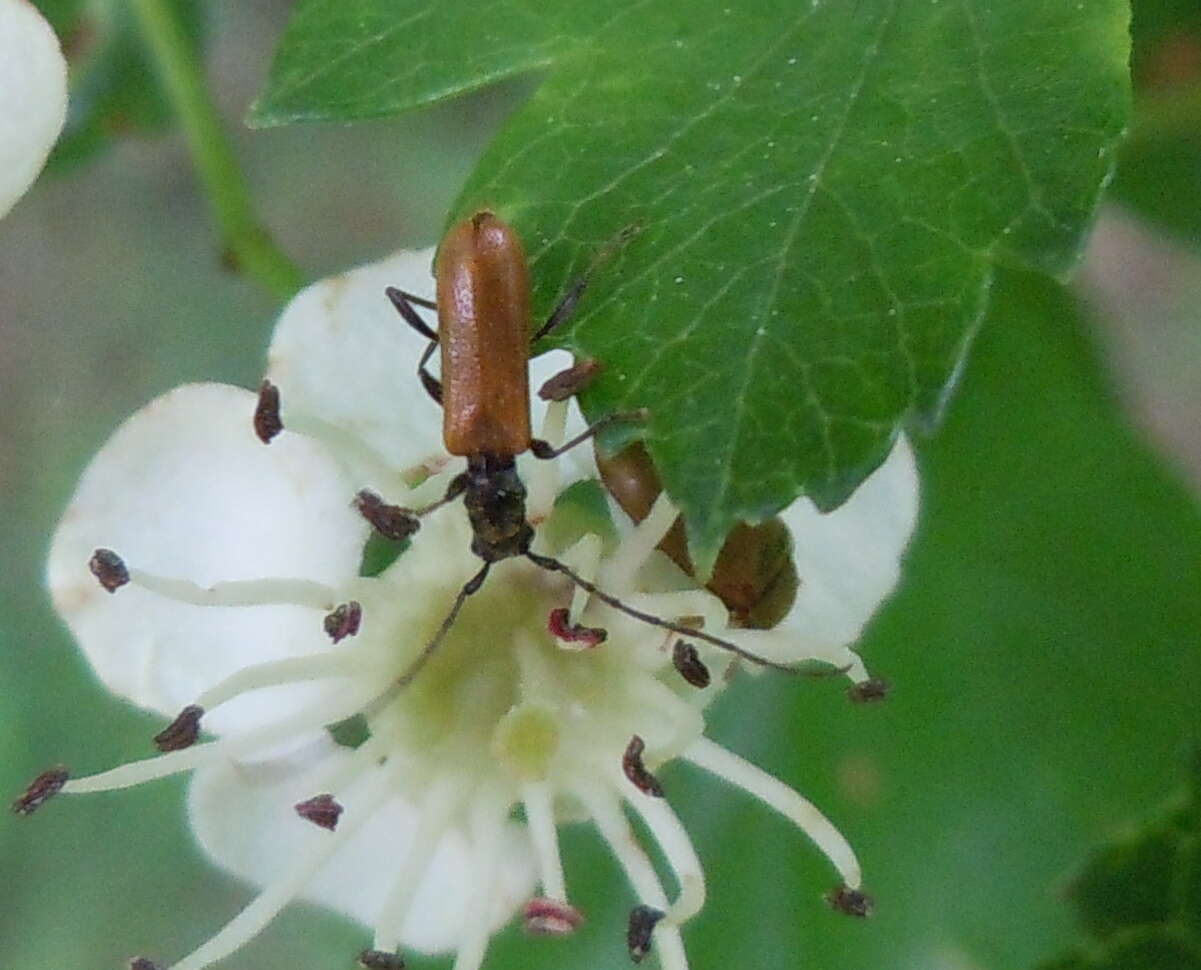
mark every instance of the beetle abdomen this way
{"type": "Point", "coordinates": [484, 330]}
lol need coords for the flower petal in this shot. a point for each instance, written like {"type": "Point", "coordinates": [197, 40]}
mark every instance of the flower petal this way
{"type": "Point", "coordinates": [849, 560]}
{"type": "Point", "coordinates": [341, 353]}
{"type": "Point", "coordinates": [33, 97]}
{"type": "Point", "coordinates": [185, 489]}
{"type": "Point", "coordinates": [245, 821]}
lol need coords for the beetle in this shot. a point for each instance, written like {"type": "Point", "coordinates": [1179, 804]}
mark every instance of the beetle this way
{"type": "Point", "coordinates": [482, 301]}
{"type": "Point", "coordinates": [754, 574]}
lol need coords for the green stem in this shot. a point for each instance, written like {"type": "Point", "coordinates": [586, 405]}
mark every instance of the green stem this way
{"type": "Point", "coordinates": [246, 242]}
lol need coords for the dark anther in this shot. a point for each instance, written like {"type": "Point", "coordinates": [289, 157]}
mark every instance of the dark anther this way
{"type": "Point", "coordinates": [344, 621]}
{"type": "Point", "coordinates": [542, 449]}
{"type": "Point", "coordinates": [182, 732]}
{"type": "Point", "coordinates": [44, 787]}
{"type": "Point", "coordinates": [141, 963]}
{"type": "Point", "coordinates": [689, 664]}
{"type": "Point", "coordinates": [853, 902]}
{"type": "Point", "coordinates": [379, 960]}
{"type": "Point", "coordinates": [267, 423]}
{"type": "Point", "coordinates": [631, 764]}
{"type": "Point", "coordinates": [643, 920]}
{"type": "Point", "coordinates": [390, 521]}
{"type": "Point", "coordinates": [869, 691]}
{"type": "Point", "coordinates": [322, 810]}
{"type": "Point", "coordinates": [568, 383]}
{"type": "Point", "coordinates": [109, 568]}
{"type": "Point", "coordinates": [586, 636]}
{"type": "Point", "coordinates": [550, 917]}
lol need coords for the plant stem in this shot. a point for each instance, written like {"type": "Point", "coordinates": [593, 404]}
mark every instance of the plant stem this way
{"type": "Point", "coordinates": [246, 243]}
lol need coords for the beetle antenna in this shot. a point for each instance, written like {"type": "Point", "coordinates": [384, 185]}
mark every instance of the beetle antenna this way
{"type": "Point", "coordinates": [555, 566]}
{"type": "Point", "coordinates": [471, 586]}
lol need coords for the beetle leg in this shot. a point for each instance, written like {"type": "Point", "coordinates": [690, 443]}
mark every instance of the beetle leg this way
{"type": "Point", "coordinates": [565, 308]}
{"type": "Point", "coordinates": [404, 306]}
{"type": "Point", "coordinates": [570, 381]}
{"type": "Point", "coordinates": [433, 386]}
{"type": "Point", "coordinates": [567, 305]}
{"type": "Point", "coordinates": [544, 449]}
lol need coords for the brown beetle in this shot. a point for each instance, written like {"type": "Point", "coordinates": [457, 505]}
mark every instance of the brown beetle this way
{"type": "Point", "coordinates": [483, 307]}
{"type": "Point", "coordinates": [754, 575]}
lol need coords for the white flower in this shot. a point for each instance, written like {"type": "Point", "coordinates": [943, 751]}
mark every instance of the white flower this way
{"type": "Point", "coordinates": [33, 97]}
{"type": "Point", "coordinates": [234, 553]}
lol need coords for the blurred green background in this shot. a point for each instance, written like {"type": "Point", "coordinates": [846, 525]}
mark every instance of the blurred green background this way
{"type": "Point", "coordinates": [1044, 644]}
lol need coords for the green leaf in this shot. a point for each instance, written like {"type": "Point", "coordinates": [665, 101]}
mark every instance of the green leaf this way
{"type": "Point", "coordinates": [1129, 883]}
{"type": "Point", "coordinates": [1141, 894]}
{"type": "Point", "coordinates": [114, 90]}
{"type": "Point", "coordinates": [821, 192]}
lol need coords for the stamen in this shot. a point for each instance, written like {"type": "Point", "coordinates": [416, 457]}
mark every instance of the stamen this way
{"type": "Point", "coordinates": [441, 796]}
{"type": "Point", "coordinates": [774, 793]}
{"type": "Point", "coordinates": [391, 521]}
{"type": "Point", "coordinates": [635, 770]}
{"type": "Point", "coordinates": [549, 917]}
{"type": "Point", "coordinates": [267, 423]}
{"type": "Point", "coordinates": [182, 732]}
{"type": "Point", "coordinates": [555, 566]}
{"type": "Point", "coordinates": [643, 920]}
{"type": "Point", "coordinates": [869, 691]}
{"type": "Point", "coordinates": [544, 834]}
{"type": "Point", "coordinates": [346, 447]}
{"type": "Point", "coordinates": [109, 568]}
{"type": "Point", "coordinates": [290, 670]}
{"type": "Point", "coordinates": [615, 830]}
{"type": "Point", "coordinates": [688, 662]}
{"type": "Point", "coordinates": [379, 960]}
{"type": "Point", "coordinates": [542, 481]}
{"type": "Point", "coordinates": [322, 810]}
{"type": "Point", "coordinates": [255, 917]}
{"type": "Point", "coordinates": [636, 548]}
{"type": "Point", "coordinates": [44, 787]}
{"type": "Point", "coordinates": [568, 383]}
{"type": "Point", "coordinates": [239, 592]}
{"type": "Point", "coordinates": [487, 834]}
{"type": "Point", "coordinates": [568, 633]}
{"type": "Point", "coordinates": [344, 621]}
{"type": "Point", "coordinates": [852, 902]}
{"type": "Point", "coordinates": [314, 717]}
{"type": "Point", "coordinates": [585, 555]}
{"type": "Point", "coordinates": [673, 839]}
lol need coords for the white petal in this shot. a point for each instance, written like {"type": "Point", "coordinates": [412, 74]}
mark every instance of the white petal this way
{"type": "Point", "coordinates": [245, 821]}
{"type": "Point", "coordinates": [849, 560]}
{"type": "Point", "coordinates": [185, 489]}
{"type": "Point", "coordinates": [343, 354]}
{"type": "Point", "coordinates": [33, 97]}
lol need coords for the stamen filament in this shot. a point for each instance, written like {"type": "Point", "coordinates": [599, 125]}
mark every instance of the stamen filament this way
{"type": "Point", "coordinates": [436, 814]}
{"type": "Point", "coordinates": [615, 830]}
{"type": "Point", "coordinates": [255, 917]}
{"type": "Point", "coordinates": [585, 557]}
{"type": "Point", "coordinates": [239, 592]}
{"type": "Point", "coordinates": [163, 766]}
{"type": "Point", "coordinates": [289, 670]}
{"type": "Point", "coordinates": [540, 820]}
{"type": "Point", "coordinates": [346, 447]}
{"type": "Point", "coordinates": [487, 833]}
{"type": "Point", "coordinates": [673, 839]}
{"type": "Point", "coordinates": [775, 794]}
{"type": "Point", "coordinates": [635, 549]}
{"type": "Point", "coordinates": [543, 478]}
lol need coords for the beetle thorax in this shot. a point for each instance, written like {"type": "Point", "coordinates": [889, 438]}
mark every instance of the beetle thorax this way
{"type": "Point", "coordinates": [495, 501]}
